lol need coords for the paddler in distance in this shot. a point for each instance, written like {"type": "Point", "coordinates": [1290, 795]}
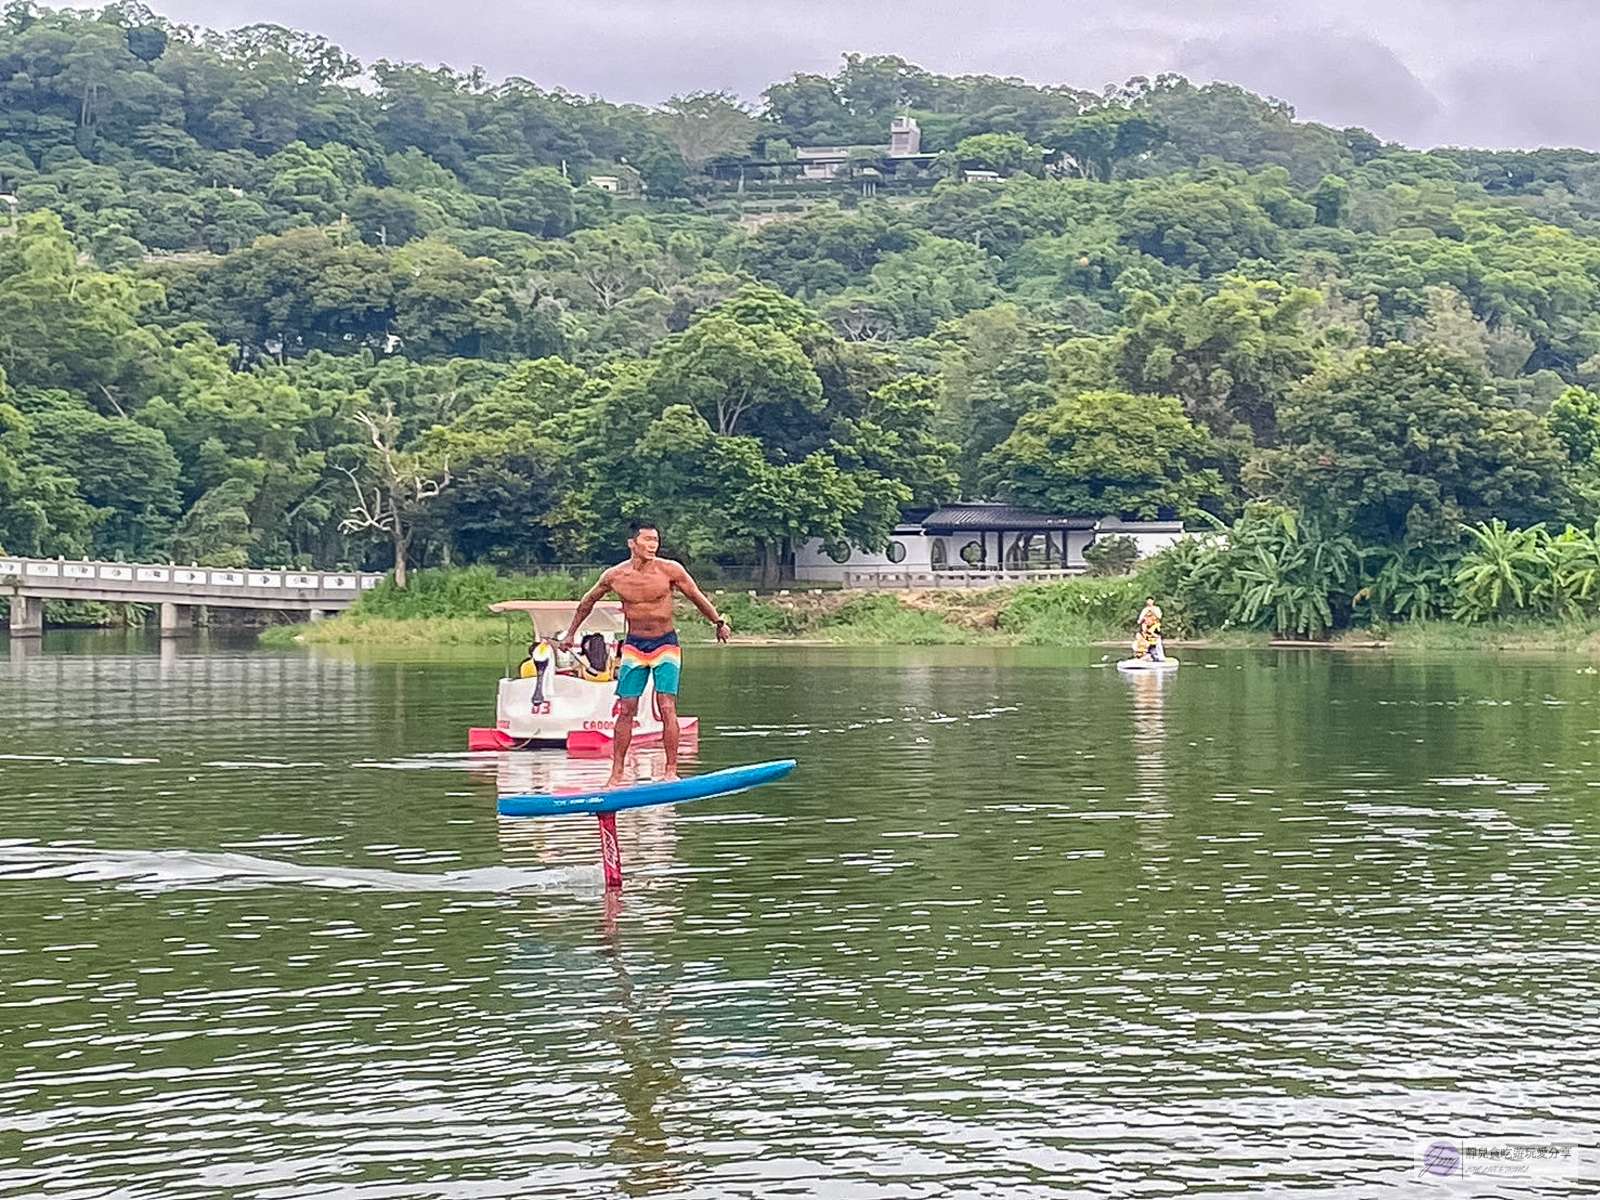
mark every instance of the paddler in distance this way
{"type": "Point", "coordinates": [1147, 641]}
{"type": "Point", "coordinates": [645, 584]}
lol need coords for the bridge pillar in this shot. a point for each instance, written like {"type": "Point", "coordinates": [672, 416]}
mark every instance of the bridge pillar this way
{"type": "Point", "coordinates": [176, 619]}
{"type": "Point", "coordinates": [27, 616]}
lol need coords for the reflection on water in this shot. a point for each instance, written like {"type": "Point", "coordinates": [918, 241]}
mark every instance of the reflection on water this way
{"type": "Point", "coordinates": [1148, 734]}
{"type": "Point", "coordinates": [1017, 926]}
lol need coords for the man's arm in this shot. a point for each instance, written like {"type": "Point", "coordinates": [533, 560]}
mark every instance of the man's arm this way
{"type": "Point", "coordinates": [691, 591]}
{"type": "Point", "coordinates": [586, 606]}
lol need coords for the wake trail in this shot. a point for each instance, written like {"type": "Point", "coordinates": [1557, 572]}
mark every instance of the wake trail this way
{"type": "Point", "coordinates": [167, 870]}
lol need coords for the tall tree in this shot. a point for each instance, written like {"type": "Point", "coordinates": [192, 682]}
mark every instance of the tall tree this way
{"type": "Point", "coordinates": [1231, 357]}
{"type": "Point", "coordinates": [1406, 444]}
{"type": "Point", "coordinates": [702, 126]}
{"type": "Point", "coordinates": [1108, 454]}
{"type": "Point", "coordinates": [733, 374]}
{"type": "Point", "coordinates": [394, 488]}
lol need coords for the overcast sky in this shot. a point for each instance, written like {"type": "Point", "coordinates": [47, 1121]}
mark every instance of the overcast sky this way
{"type": "Point", "coordinates": [1491, 73]}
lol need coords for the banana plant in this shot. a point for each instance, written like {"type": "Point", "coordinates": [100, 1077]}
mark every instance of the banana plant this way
{"type": "Point", "coordinates": [1410, 585]}
{"type": "Point", "coordinates": [1286, 573]}
{"type": "Point", "coordinates": [1503, 572]}
{"type": "Point", "coordinates": [1572, 582]}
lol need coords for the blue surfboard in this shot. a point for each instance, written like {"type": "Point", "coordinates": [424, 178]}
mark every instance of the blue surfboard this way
{"type": "Point", "coordinates": [639, 795]}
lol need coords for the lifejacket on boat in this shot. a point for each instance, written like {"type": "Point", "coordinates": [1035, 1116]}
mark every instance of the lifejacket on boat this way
{"type": "Point", "coordinates": [596, 664]}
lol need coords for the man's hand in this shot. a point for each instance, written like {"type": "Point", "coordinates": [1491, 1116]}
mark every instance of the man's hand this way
{"type": "Point", "coordinates": [563, 644]}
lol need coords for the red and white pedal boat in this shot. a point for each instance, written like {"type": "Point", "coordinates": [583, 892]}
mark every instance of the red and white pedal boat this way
{"type": "Point", "coordinates": [569, 699]}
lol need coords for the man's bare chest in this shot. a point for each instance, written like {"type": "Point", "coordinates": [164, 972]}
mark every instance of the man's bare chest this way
{"type": "Point", "coordinates": [642, 588]}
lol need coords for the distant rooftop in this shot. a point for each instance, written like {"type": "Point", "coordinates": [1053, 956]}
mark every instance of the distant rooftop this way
{"type": "Point", "coordinates": [1007, 518]}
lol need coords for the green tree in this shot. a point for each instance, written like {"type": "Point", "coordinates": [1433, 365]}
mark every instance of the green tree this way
{"type": "Point", "coordinates": [125, 470]}
{"type": "Point", "coordinates": [63, 325]}
{"type": "Point", "coordinates": [256, 442]}
{"type": "Point", "coordinates": [41, 512]}
{"type": "Point", "coordinates": [717, 492]}
{"type": "Point", "coordinates": [513, 496]}
{"type": "Point", "coordinates": [810, 108]}
{"type": "Point", "coordinates": [779, 506]}
{"type": "Point", "coordinates": [936, 280]}
{"type": "Point", "coordinates": [517, 469]}
{"type": "Point", "coordinates": [825, 250]}
{"type": "Point", "coordinates": [875, 85]}
{"type": "Point", "coordinates": [894, 439]}
{"type": "Point", "coordinates": [1284, 572]}
{"type": "Point", "coordinates": [1007, 153]}
{"type": "Point", "coordinates": [539, 201]}
{"type": "Point", "coordinates": [1406, 444]}
{"type": "Point", "coordinates": [313, 182]}
{"type": "Point", "coordinates": [216, 531]}
{"type": "Point", "coordinates": [995, 366]}
{"type": "Point", "coordinates": [1098, 140]}
{"type": "Point", "coordinates": [392, 217]}
{"type": "Point", "coordinates": [1574, 419]}
{"type": "Point", "coordinates": [1502, 572]}
{"type": "Point", "coordinates": [1231, 357]}
{"type": "Point", "coordinates": [735, 374]}
{"type": "Point", "coordinates": [1111, 555]}
{"type": "Point", "coordinates": [447, 305]}
{"type": "Point", "coordinates": [1107, 454]}
{"type": "Point", "coordinates": [287, 295]}
{"type": "Point", "coordinates": [1206, 226]}
{"type": "Point", "coordinates": [1223, 121]}
{"type": "Point", "coordinates": [702, 126]}
{"type": "Point", "coordinates": [1412, 583]}
{"type": "Point", "coordinates": [394, 487]}
{"type": "Point", "coordinates": [1331, 199]}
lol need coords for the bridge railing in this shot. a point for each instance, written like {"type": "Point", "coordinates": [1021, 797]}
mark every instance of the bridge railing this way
{"type": "Point", "coordinates": [56, 578]}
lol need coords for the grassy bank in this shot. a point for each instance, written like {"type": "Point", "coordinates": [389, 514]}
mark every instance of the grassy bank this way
{"type": "Point", "coordinates": [1578, 636]}
{"type": "Point", "coordinates": [451, 608]}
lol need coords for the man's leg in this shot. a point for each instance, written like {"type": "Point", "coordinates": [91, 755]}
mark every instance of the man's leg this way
{"type": "Point", "coordinates": [621, 737]}
{"type": "Point", "coordinates": [666, 680]}
{"type": "Point", "coordinates": [669, 731]}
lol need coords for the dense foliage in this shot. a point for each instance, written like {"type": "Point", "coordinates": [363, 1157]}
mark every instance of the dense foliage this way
{"type": "Point", "coordinates": [254, 313]}
{"type": "Point", "coordinates": [1275, 572]}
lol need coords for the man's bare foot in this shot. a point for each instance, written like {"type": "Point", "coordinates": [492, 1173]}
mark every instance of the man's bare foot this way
{"type": "Point", "coordinates": [615, 781]}
{"type": "Point", "coordinates": [670, 776]}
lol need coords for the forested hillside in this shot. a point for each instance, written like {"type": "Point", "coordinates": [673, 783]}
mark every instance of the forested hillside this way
{"type": "Point", "coordinates": [262, 304]}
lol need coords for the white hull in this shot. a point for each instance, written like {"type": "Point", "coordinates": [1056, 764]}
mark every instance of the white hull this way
{"type": "Point", "coordinates": [569, 705]}
{"type": "Point", "coordinates": [1145, 664]}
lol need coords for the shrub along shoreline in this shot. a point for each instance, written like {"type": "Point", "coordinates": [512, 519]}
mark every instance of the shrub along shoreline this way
{"type": "Point", "coordinates": [450, 608]}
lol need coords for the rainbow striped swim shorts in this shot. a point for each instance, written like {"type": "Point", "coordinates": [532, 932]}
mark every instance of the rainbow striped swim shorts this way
{"type": "Point", "coordinates": [642, 655]}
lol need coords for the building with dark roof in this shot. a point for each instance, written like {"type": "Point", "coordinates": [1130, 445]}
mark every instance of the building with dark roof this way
{"type": "Point", "coordinates": [977, 545]}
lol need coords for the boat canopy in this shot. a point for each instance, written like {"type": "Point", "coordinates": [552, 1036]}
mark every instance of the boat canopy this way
{"type": "Point", "coordinates": [551, 617]}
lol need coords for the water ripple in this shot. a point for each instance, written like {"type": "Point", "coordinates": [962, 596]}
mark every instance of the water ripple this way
{"type": "Point", "coordinates": [1016, 927]}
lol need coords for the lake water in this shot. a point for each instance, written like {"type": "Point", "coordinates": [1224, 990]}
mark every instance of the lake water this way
{"type": "Point", "coordinates": [1016, 926]}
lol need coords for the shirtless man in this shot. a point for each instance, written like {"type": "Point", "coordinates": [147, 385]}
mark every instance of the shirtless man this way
{"type": "Point", "coordinates": [645, 585]}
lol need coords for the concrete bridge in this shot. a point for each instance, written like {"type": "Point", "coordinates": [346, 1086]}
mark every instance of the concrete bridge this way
{"type": "Point", "coordinates": [176, 591]}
